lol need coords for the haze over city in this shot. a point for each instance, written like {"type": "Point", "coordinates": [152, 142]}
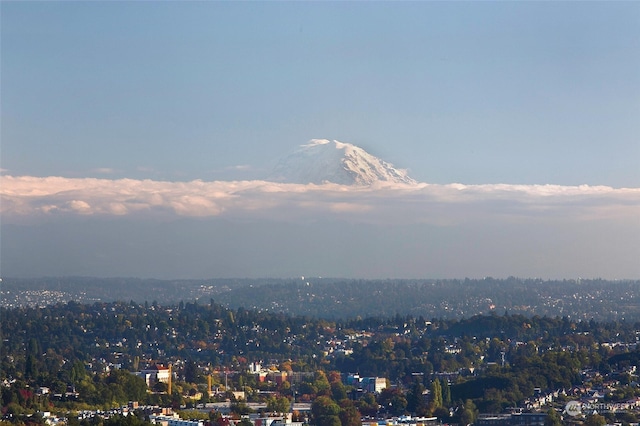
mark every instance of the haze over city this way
{"type": "Point", "coordinates": [139, 139]}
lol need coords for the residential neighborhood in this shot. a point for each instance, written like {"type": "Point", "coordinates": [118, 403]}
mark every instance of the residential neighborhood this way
{"type": "Point", "coordinates": [206, 363]}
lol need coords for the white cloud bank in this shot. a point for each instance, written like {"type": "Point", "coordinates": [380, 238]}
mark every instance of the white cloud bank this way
{"type": "Point", "coordinates": [26, 198]}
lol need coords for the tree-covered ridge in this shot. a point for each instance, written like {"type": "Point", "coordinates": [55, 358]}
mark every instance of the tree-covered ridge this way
{"type": "Point", "coordinates": [338, 298]}
{"type": "Point", "coordinates": [211, 328]}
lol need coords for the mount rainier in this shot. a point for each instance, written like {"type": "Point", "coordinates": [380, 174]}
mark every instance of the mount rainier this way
{"type": "Point", "coordinates": [323, 161]}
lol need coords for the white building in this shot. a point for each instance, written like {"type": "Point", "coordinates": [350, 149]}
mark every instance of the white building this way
{"type": "Point", "coordinates": [154, 374]}
{"type": "Point", "coordinates": [174, 421]}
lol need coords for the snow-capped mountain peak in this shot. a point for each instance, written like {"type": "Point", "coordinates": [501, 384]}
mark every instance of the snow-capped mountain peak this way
{"type": "Point", "coordinates": [321, 161]}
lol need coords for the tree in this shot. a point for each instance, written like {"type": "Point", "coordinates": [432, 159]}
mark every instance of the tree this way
{"type": "Point", "coordinates": [338, 391]}
{"type": "Point", "coordinates": [321, 383]}
{"type": "Point", "coordinates": [446, 393]}
{"type": "Point", "coordinates": [191, 372]}
{"type": "Point", "coordinates": [469, 413]}
{"type": "Point", "coordinates": [442, 414]}
{"type": "Point", "coordinates": [325, 412]}
{"type": "Point", "coordinates": [553, 418]}
{"type": "Point", "coordinates": [193, 414]}
{"type": "Point", "coordinates": [595, 420]}
{"type": "Point", "coordinates": [78, 372]}
{"type": "Point", "coordinates": [467, 417]}
{"type": "Point", "coordinates": [31, 367]}
{"type": "Point", "coordinates": [398, 405]}
{"type": "Point", "coordinates": [160, 387]}
{"type": "Point", "coordinates": [349, 415]}
{"type": "Point", "coordinates": [240, 408]}
{"type": "Point", "coordinates": [278, 405]}
{"type": "Point", "coordinates": [436, 394]}
{"type": "Point", "coordinates": [415, 400]}
{"type": "Point", "coordinates": [368, 405]}
{"type": "Point", "coordinates": [392, 400]}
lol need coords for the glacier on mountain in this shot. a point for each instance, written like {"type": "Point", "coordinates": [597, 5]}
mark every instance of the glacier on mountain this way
{"type": "Point", "coordinates": [324, 161]}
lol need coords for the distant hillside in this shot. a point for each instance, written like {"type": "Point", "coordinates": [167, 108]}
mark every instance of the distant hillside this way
{"type": "Point", "coordinates": [339, 298]}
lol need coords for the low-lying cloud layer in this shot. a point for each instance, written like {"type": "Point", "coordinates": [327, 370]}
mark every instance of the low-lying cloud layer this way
{"type": "Point", "coordinates": [53, 226]}
{"type": "Point", "coordinates": [27, 198]}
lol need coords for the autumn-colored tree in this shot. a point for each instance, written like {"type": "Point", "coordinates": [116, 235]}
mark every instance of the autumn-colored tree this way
{"type": "Point", "coordinates": [285, 366]}
{"type": "Point", "coordinates": [297, 416]}
{"type": "Point", "coordinates": [334, 377]}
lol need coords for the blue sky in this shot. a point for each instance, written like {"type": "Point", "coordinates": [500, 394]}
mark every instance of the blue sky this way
{"type": "Point", "coordinates": [111, 110]}
{"type": "Point", "coordinates": [487, 92]}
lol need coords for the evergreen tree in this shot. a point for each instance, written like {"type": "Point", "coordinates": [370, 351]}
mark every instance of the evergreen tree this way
{"type": "Point", "coordinates": [415, 400]}
{"type": "Point", "coordinates": [446, 393]}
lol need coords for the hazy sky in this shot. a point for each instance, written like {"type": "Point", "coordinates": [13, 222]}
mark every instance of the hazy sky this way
{"type": "Point", "coordinates": [127, 128]}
